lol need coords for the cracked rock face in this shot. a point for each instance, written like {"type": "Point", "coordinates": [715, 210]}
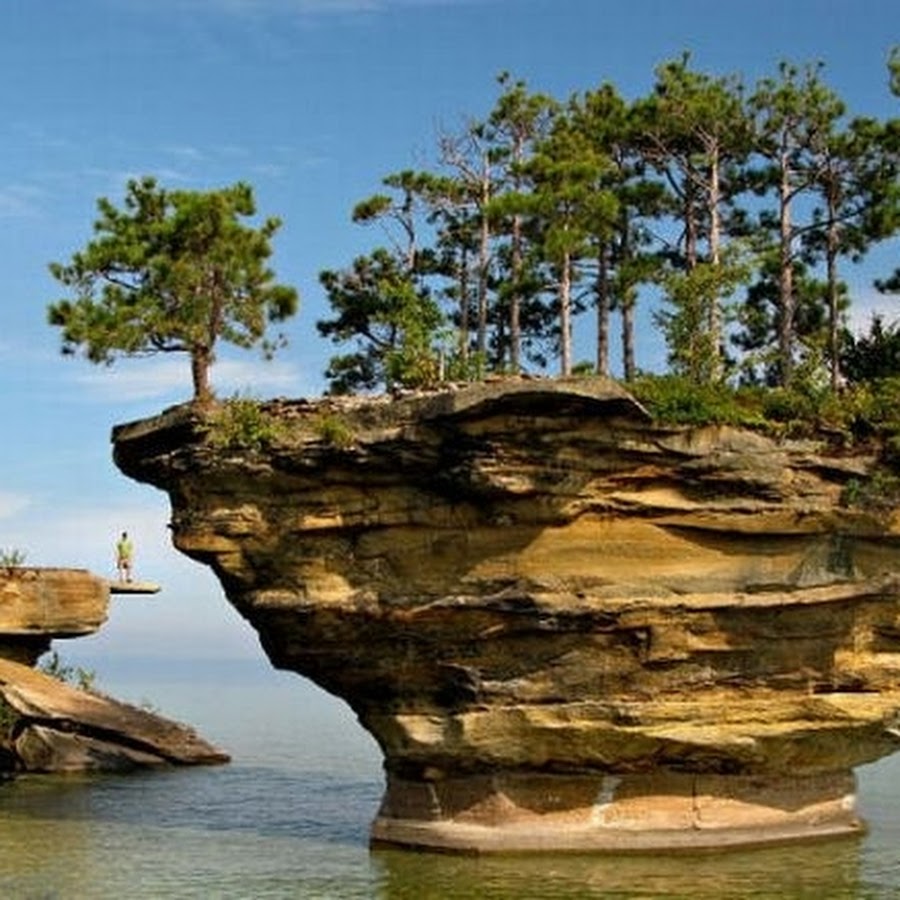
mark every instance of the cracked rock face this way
{"type": "Point", "coordinates": [565, 626]}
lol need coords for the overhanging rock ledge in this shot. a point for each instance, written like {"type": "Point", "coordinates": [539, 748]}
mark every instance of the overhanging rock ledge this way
{"type": "Point", "coordinates": [566, 626]}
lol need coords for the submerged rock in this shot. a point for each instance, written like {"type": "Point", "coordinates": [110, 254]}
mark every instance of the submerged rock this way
{"type": "Point", "coordinates": [566, 626]}
{"type": "Point", "coordinates": [54, 727]}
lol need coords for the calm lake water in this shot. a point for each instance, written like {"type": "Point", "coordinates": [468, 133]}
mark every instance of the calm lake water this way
{"type": "Point", "coordinates": [289, 818]}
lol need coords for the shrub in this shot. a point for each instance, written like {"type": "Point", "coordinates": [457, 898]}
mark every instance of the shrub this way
{"type": "Point", "coordinates": [10, 560]}
{"type": "Point", "coordinates": [880, 492]}
{"type": "Point", "coordinates": [241, 423]}
{"type": "Point", "coordinates": [333, 430]}
{"type": "Point", "coordinates": [83, 679]}
{"type": "Point", "coordinates": [676, 400]}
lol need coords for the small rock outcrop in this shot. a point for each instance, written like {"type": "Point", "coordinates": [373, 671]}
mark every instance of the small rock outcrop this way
{"type": "Point", "coordinates": [49, 726]}
{"type": "Point", "coordinates": [54, 727]}
{"type": "Point", "coordinates": [38, 605]}
{"type": "Point", "coordinates": [566, 626]}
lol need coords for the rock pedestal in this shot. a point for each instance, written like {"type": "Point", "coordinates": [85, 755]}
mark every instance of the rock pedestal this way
{"type": "Point", "coordinates": [566, 626]}
{"type": "Point", "coordinates": [517, 812]}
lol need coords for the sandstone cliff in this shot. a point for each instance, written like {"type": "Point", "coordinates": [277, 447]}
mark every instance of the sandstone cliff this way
{"type": "Point", "coordinates": [566, 626]}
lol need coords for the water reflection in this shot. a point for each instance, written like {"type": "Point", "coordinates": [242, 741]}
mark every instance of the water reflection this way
{"type": "Point", "coordinates": [829, 869]}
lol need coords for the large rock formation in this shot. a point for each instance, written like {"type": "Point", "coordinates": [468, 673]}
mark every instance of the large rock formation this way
{"type": "Point", "coordinates": [567, 627]}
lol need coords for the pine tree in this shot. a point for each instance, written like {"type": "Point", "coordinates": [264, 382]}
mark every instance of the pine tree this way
{"type": "Point", "coordinates": [172, 271]}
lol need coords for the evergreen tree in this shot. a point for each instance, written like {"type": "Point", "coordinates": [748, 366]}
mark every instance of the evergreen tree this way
{"type": "Point", "coordinates": [695, 132]}
{"type": "Point", "coordinates": [565, 171]}
{"type": "Point", "coordinates": [518, 120]}
{"type": "Point", "coordinates": [619, 214]}
{"type": "Point", "coordinates": [392, 319]}
{"type": "Point", "coordinates": [466, 232]}
{"type": "Point", "coordinates": [172, 271]}
{"type": "Point", "coordinates": [890, 210]}
{"type": "Point", "coordinates": [793, 114]}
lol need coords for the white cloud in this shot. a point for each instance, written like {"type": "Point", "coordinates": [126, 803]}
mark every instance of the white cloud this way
{"type": "Point", "coordinates": [256, 376]}
{"type": "Point", "coordinates": [20, 201]}
{"type": "Point", "coordinates": [11, 504]}
{"type": "Point", "coordinates": [129, 380]}
{"type": "Point", "coordinates": [868, 303]}
{"type": "Point", "coordinates": [169, 378]}
{"type": "Point", "coordinates": [193, 154]}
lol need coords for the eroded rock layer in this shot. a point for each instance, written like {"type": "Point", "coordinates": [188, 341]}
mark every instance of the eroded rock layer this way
{"type": "Point", "coordinates": [565, 626]}
{"type": "Point", "coordinates": [40, 604]}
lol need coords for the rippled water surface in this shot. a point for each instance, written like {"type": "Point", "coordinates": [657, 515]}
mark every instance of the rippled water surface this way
{"type": "Point", "coordinates": [289, 818]}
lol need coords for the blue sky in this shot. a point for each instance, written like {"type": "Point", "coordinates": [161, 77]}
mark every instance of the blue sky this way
{"type": "Point", "coordinates": [312, 102]}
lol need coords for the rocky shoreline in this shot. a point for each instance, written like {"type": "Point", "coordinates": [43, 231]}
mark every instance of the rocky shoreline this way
{"type": "Point", "coordinates": [49, 726]}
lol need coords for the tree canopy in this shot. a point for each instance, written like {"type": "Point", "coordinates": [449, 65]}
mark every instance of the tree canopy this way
{"type": "Point", "coordinates": [733, 208]}
{"type": "Point", "coordinates": [172, 271]}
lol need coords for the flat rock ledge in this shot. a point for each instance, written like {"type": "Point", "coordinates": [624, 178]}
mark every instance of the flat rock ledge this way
{"type": "Point", "coordinates": [56, 728]}
{"type": "Point", "coordinates": [567, 627]}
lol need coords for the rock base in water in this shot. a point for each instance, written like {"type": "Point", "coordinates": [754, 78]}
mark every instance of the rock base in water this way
{"type": "Point", "coordinates": [695, 630]}
{"type": "Point", "coordinates": [516, 812]}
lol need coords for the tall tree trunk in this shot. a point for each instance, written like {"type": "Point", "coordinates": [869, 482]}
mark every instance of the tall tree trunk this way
{"type": "Point", "coordinates": [715, 310]}
{"type": "Point", "coordinates": [626, 303]}
{"type": "Point", "coordinates": [603, 305]}
{"type": "Point", "coordinates": [484, 264]}
{"type": "Point", "coordinates": [785, 278]}
{"type": "Point", "coordinates": [515, 328]}
{"type": "Point", "coordinates": [834, 346]}
{"type": "Point", "coordinates": [565, 318]}
{"type": "Point", "coordinates": [628, 357]}
{"type": "Point", "coordinates": [463, 281]}
{"type": "Point", "coordinates": [201, 360]}
{"type": "Point", "coordinates": [481, 342]}
{"type": "Point", "coordinates": [690, 227]}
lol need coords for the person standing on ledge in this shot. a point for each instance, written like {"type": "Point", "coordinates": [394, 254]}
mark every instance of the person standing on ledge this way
{"type": "Point", "coordinates": [124, 557]}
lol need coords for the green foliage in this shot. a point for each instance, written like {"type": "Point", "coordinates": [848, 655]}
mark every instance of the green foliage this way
{"type": "Point", "coordinates": [695, 299]}
{"type": "Point", "coordinates": [334, 430]}
{"type": "Point", "coordinates": [172, 271]}
{"type": "Point", "coordinates": [863, 413]}
{"type": "Point", "coordinates": [11, 559]}
{"type": "Point", "coordinates": [880, 493]}
{"type": "Point", "coordinates": [9, 717]}
{"type": "Point", "coordinates": [875, 355]}
{"type": "Point", "coordinates": [740, 201]}
{"type": "Point", "coordinates": [380, 304]}
{"type": "Point", "coordinates": [677, 400]}
{"type": "Point", "coordinates": [472, 367]}
{"type": "Point", "coordinates": [83, 679]}
{"type": "Point", "coordinates": [584, 369]}
{"type": "Point", "coordinates": [242, 423]}
{"type": "Point", "coordinates": [414, 363]}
